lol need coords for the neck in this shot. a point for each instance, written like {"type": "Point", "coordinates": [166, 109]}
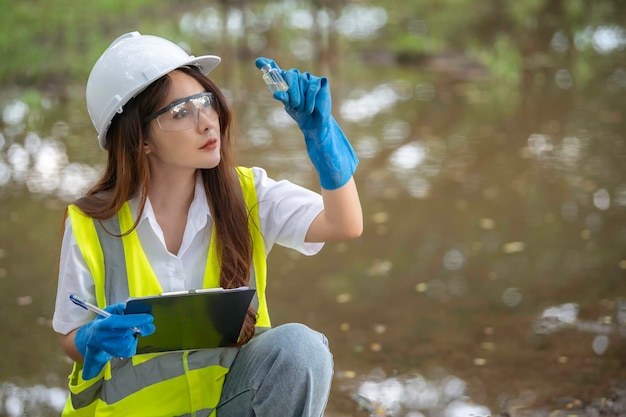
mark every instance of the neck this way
{"type": "Point", "coordinates": [173, 191]}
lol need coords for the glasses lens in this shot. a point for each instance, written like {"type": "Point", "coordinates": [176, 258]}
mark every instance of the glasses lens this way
{"type": "Point", "coordinates": [184, 115]}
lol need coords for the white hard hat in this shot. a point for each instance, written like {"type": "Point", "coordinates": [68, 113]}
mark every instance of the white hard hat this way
{"type": "Point", "coordinates": [131, 63]}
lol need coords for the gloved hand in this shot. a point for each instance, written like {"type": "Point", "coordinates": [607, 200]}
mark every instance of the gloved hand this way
{"type": "Point", "coordinates": [104, 338]}
{"type": "Point", "coordinates": [309, 103]}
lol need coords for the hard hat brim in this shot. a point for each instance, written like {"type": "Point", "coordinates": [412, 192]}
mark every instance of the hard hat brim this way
{"type": "Point", "coordinates": [206, 63]}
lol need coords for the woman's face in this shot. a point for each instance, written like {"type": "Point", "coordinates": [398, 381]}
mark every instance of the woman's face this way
{"type": "Point", "coordinates": [175, 140]}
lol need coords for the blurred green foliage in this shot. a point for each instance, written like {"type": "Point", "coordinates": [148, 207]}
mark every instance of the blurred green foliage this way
{"type": "Point", "coordinates": [47, 42]}
{"type": "Point", "coordinates": [57, 41]}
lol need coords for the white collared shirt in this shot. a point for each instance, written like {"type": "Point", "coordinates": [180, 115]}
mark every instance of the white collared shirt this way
{"type": "Point", "coordinates": [286, 211]}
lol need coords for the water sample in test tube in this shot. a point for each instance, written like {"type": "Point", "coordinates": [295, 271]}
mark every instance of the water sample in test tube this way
{"type": "Point", "coordinates": [273, 79]}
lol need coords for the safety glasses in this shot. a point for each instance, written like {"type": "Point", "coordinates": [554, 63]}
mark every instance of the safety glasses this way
{"type": "Point", "coordinates": [183, 114]}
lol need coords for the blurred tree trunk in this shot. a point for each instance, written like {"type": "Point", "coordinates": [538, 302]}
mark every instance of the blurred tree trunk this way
{"type": "Point", "coordinates": [325, 38]}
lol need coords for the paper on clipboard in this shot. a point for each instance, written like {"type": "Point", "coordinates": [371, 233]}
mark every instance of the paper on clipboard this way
{"type": "Point", "coordinates": [188, 320]}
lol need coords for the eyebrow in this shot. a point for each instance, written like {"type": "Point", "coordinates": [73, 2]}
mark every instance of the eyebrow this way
{"type": "Point", "coordinates": [176, 103]}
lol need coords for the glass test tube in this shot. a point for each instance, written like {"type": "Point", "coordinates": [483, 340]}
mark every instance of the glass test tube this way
{"type": "Point", "coordinates": [273, 79]}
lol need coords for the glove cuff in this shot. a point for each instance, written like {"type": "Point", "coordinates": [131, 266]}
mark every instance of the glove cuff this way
{"type": "Point", "coordinates": [331, 154]}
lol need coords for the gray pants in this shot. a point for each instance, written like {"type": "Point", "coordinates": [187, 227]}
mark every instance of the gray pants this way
{"type": "Point", "coordinates": [286, 371]}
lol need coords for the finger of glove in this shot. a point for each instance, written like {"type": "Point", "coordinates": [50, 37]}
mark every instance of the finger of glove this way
{"type": "Point", "coordinates": [310, 84]}
{"type": "Point", "coordinates": [146, 329]}
{"type": "Point", "coordinates": [117, 309]}
{"type": "Point", "coordinates": [82, 336]}
{"type": "Point", "coordinates": [303, 92]}
{"type": "Point", "coordinates": [116, 335]}
{"type": "Point", "coordinates": [262, 61]}
{"type": "Point", "coordinates": [94, 356]}
{"type": "Point", "coordinates": [125, 322]}
{"type": "Point", "coordinates": [120, 344]}
{"type": "Point", "coordinates": [293, 98]}
{"type": "Point", "coordinates": [124, 347]}
{"type": "Point", "coordinates": [92, 370]}
{"type": "Point", "coordinates": [94, 362]}
{"type": "Point", "coordinates": [323, 101]}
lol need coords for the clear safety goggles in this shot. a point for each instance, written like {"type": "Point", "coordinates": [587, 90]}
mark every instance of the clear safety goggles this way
{"type": "Point", "coordinates": [183, 114]}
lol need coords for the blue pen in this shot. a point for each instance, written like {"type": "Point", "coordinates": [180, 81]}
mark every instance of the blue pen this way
{"type": "Point", "coordinates": [88, 306]}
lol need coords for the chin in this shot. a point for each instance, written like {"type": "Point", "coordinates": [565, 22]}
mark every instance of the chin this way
{"type": "Point", "coordinates": [211, 164]}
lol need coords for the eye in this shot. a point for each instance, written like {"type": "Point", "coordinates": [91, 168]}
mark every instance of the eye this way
{"type": "Point", "coordinates": [179, 112]}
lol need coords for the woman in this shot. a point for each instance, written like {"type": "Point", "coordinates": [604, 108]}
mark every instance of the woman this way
{"type": "Point", "coordinates": [172, 211]}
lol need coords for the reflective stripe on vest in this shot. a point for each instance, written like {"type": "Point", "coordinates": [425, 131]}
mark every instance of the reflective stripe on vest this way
{"type": "Point", "coordinates": [158, 378]}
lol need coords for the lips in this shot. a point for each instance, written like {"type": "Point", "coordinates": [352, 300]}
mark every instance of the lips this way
{"type": "Point", "coordinates": [209, 144]}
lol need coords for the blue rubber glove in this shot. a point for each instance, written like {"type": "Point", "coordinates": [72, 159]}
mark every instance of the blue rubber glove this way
{"type": "Point", "coordinates": [309, 103]}
{"type": "Point", "coordinates": [104, 338]}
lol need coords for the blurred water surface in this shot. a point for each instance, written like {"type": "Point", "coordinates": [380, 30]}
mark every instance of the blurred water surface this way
{"type": "Point", "coordinates": [491, 276]}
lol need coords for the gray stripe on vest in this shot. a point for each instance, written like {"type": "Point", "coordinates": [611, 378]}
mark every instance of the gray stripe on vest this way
{"type": "Point", "coordinates": [114, 260]}
{"type": "Point", "coordinates": [260, 330]}
{"type": "Point", "coordinates": [87, 396]}
{"type": "Point", "coordinates": [200, 413]}
{"type": "Point", "coordinates": [124, 381]}
{"type": "Point", "coordinates": [204, 413]}
{"type": "Point", "coordinates": [252, 284]}
{"type": "Point", "coordinates": [198, 359]}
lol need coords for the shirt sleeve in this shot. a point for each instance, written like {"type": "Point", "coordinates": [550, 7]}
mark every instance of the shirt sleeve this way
{"type": "Point", "coordinates": [286, 211]}
{"type": "Point", "coordinates": [74, 278]}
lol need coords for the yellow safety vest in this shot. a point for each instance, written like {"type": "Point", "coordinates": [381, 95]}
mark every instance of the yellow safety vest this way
{"type": "Point", "coordinates": [185, 383]}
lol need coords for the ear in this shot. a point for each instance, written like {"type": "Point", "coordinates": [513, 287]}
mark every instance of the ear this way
{"type": "Point", "coordinates": [147, 148]}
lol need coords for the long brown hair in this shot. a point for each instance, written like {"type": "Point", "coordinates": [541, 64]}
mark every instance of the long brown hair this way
{"type": "Point", "coordinates": [127, 175]}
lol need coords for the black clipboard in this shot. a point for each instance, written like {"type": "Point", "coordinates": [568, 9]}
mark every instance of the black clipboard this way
{"type": "Point", "coordinates": [195, 319]}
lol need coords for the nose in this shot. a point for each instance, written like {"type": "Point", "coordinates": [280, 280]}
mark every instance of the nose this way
{"type": "Point", "coordinates": [207, 119]}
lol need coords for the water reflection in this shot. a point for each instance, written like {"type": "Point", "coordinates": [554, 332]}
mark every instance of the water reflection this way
{"type": "Point", "coordinates": [415, 395]}
{"type": "Point", "coordinates": [362, 106]}
{"type": "Point", "coordinates": [15, 112]}
{"type": "Point", "coordinates": [42, 165]}
{"type": "Point", "coordinates": [603, 39]}
{"type": "Point", "coordinates": [444, 394]}
{"type": "Point", "coordinates": [37, 400]}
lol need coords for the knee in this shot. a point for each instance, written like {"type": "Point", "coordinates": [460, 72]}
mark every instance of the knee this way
{"type": "Point", "coordinates": [303, 347]}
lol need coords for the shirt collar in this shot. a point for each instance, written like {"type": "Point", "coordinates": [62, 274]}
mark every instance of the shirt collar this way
{"type": "Point", "coordinates": [196, 217]}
